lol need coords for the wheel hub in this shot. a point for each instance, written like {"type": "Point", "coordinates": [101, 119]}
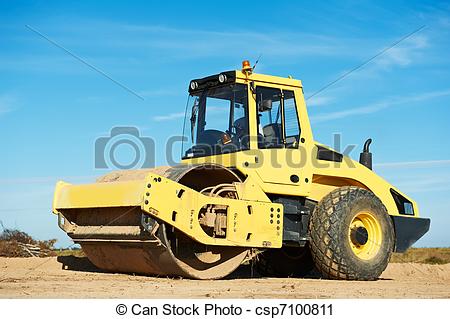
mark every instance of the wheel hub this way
{"type": "Point", "coordinates": [359, 236]}
{"type": "Point", "coordinates": [365, 235]}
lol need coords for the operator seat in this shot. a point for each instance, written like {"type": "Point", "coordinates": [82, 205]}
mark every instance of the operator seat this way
{"type": "Point", "coordinates": [272, 135]}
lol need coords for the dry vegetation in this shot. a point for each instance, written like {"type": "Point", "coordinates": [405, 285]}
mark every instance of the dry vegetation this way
{"type": "Point", "coordinates": [16, 243]}
{"type": "Point", "coordinates": [424, 256]}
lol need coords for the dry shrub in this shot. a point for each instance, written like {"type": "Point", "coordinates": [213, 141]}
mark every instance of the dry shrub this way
{"type": "Point", "coordinates": [16, 243]}
{"type": "Point", "coordinates": [434, 261]}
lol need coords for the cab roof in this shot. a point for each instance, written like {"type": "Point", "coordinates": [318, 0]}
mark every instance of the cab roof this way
{"type": "Point", "coordinates": [239, 76]}
{"type": "Point", "coordinates": [258, 77]}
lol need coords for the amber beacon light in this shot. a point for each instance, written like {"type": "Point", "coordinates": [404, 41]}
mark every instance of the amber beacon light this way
{"type": "Point", "coordinates": [246, 67]}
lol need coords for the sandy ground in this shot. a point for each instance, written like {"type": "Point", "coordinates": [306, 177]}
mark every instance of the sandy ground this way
{"type": "Point", "coordinates": [48, 278]}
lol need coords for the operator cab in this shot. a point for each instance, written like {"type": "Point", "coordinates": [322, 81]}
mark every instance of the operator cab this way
{"type": "Point", "coordinates": [219, 115]}
{"type": "Point", "coordinates": [216, 120]}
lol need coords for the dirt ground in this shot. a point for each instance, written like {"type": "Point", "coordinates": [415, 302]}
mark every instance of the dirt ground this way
{"type": "Point", "coordinates": [75, 277]}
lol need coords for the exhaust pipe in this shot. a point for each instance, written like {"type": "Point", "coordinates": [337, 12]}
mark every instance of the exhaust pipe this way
{"type": "Point", "coordinates": [365, 158]}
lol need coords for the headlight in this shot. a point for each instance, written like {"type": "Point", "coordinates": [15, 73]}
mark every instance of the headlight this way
{"type": "Point", "coordinates": [222, 78]}
{"type": "Point", "coordinates": [193, 85]}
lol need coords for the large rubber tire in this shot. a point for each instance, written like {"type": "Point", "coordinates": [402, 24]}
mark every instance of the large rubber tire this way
{"type": "Point", "coordinates": [331, 246]}
{"type": "Point", "coordinates": [285, 262]}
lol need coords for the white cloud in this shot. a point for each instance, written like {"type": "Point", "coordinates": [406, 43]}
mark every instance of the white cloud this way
{"type": "Point", "coordinates": [6, 104]}
{"type": "Point", "coordinates": [417, 176]}
{"type": "Point", "coordinates": [404, 53]}
{"type": "Point", "coordinates": [168, 117]}
{"type": "Point", "coordinates": [177, 43]}
{"type": "Point", "coordinates": [201, 42]}
{"type": "Point", "coordinates": [378, 106]}
{"type": "Point", "coordinates": [163, 92]}
{"type": "Point", "coordinates": [319, 100]}
{"type": "Point", "coordinates": [401, 55]}
{"type": "Point", "coordinates": [47, 180]}
{"type": "Point", "coordinates": [444, 22]}
{"type": "Point", "coordinates": [413, 164]}
{"type": "Point", "coordinates": [427, 181]}
{"type": "Point", "coordinates": [187, 43]}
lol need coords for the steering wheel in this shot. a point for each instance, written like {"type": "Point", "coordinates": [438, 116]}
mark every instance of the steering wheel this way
{"type": "Point", "coordinates": [240, 126]}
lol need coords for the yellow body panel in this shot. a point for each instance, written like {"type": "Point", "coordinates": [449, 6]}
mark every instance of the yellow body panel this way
{"type": "Point", "coordinates": [350, 172]}
{"type": "Point", "coordinates": [118, 194]}
{"type": "Point", "coordinates": [250, 223]}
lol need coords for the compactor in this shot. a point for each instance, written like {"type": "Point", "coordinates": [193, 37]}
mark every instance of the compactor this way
{"type": "Point", "coordinates": [252, 185]}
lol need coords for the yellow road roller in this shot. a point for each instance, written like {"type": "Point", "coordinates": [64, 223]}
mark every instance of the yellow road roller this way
{"type": "Point", "coordinates": [252, 185]}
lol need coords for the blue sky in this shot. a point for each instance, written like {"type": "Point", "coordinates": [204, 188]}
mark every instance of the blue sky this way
{"type": "Point", "coordinates": [53, 107]}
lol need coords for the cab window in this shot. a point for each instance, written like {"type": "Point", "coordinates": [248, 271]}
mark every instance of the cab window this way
{"type": "Point", "coordinates": [268, 102]}
{"type": "Point", "coordinates": [291, 126]}
{"type": "Point", "coordinates": [272, 132]}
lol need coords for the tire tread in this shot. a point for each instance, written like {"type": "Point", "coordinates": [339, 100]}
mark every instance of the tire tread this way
{"type": "Point", "coordinates": [329, 256]}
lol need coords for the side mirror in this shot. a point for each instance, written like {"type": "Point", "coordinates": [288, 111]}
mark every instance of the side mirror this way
{"type": "Point", "coordinates": [265, 105]}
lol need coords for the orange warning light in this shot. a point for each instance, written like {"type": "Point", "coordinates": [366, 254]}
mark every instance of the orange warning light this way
{"type": "Point", "coordinates": [246, 67]}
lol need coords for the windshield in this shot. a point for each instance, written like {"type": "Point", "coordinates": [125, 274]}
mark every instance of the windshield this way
{"type": "Point", "coordinates": [216, 121]}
